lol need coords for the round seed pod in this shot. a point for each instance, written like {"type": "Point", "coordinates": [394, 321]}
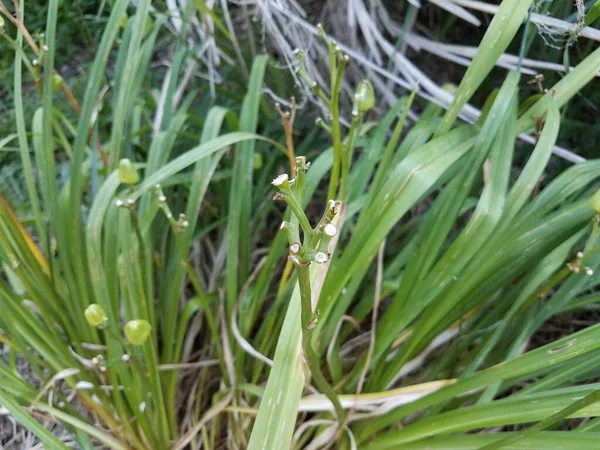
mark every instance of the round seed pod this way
{"type": "Point", "coordinates": [128, 174]}
{"type": "Point", "coordinates": [95, 315]}
{"type": "Point", "coordinates": [137, 331]}
{"type": "Point", "coordinates": [258, 161]}
{"type": "Point", "coordinates": [147, 26]}
{"type": "Point", "coordinates": [596, 202]}
{"type": "Point", "coordinates": [57, 82]}
{"type": "Point", "coordinates": [364, 98]}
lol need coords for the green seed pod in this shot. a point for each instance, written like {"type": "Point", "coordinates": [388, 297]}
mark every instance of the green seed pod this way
{"type": "Point", "coordinates": [95, 315]}
{"type": "Point", "coordinates": [128, 174]}
{"type": "Point", "coordinates": [596, 202]}
{"type": "Point", "coordinates": [147, 26]}
{"type": "Point", "coordinates": [137, 331]}
{"type": "Point", "coordinates": [124, 20]}
{"type": "Point", "coordinates": [364, 98]}
{"type": "Point", "coordinates": [57, 82]}
{"type": "Point", "coordinates": [258, 161]}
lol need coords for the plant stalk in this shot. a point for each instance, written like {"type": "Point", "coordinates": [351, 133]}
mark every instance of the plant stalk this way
{"type": "Point", "coordinates": [311, 356]}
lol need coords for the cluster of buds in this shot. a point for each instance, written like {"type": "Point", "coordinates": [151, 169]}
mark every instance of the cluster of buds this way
{"type": "Point", "coordinates": [129, 203]}
{"type": "Point", "coordinates": [162, 202]}
{"type": "Point", "coordinates": [364, 97]}
{"type": "Point", "coordinates": [338, 61]}
{"type": "Point", "coordinates": [576, 265]}
{"type": "Point", "coordinates": [98, 361]}
{"type": "Point", "coordinates": [314, 244]}
{"type": "Point", "coordinates": [363, 101]}
{"type": "Point", "coordinates": [182, 222]}
{"type": "Point", "coordinates": [37, 63]}
{"type": "Point", "coordinates": [179, 225]}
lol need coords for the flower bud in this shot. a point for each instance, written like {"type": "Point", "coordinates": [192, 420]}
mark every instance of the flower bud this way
{"type": "Point", "coordinates": [596, 202]}
{"type": "Point", "coordinates": [364, 98]}
{"type": "Point", "coordinates": [95, 315]}
{"type": "Point", "coordinates": [1, 24]}
{"type": "Point", "coordinates": [301, 164]}
{"type": "Point", "coordinates": [128, 174]}
{"type": "Point", "coordinates": [137, 331]}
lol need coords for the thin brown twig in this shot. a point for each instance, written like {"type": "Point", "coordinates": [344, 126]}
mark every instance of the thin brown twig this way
{"type": "Point", "coordinates": [208, 416]}
{"type": "Point", "coordinates": [17, 22]}
{"type": "Point", "coordinates": [36, 50]}
{"type": "Point", "coordinates": [287, 119]}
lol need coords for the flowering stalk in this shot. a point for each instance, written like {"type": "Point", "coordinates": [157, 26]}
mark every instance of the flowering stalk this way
{"type": "Point", "coordinates": [308, 324]}
{"type": "Point", "coordinates": [313, 248]}
{"type": "Point", "coordinates": [178, 226]}
{"type": "Point", "coordinates": [364, 100]}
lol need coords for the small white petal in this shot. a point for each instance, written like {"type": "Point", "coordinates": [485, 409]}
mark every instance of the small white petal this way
{"type": "Point", "coordinates": [84, 386]}
{"type": "Point", "coordinates": [321, 257]}
{"type": "Point", "coordinates": [330, 230]}
{"type": "Point", "coordinates": [281, 179]}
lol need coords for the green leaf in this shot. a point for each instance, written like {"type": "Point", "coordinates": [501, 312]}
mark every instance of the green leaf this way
{"type": "Point", "coordinates": [48, 439]}
{"type": "Point", "coordinates": [553, 440]}
{"type": "Point", "coordinates": [498, 36]}
{"type": "Point", "coordinates": [240, 200]}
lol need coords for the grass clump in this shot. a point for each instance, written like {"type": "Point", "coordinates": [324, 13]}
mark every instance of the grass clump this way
{"type": "Point", "coordinates": [150, 277]}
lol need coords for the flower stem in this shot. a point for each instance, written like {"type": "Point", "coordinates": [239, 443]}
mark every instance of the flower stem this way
{"type": "Point", "coordinates": [311, 356]}
{"type": "Point", "coordinates": [336, 132]}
